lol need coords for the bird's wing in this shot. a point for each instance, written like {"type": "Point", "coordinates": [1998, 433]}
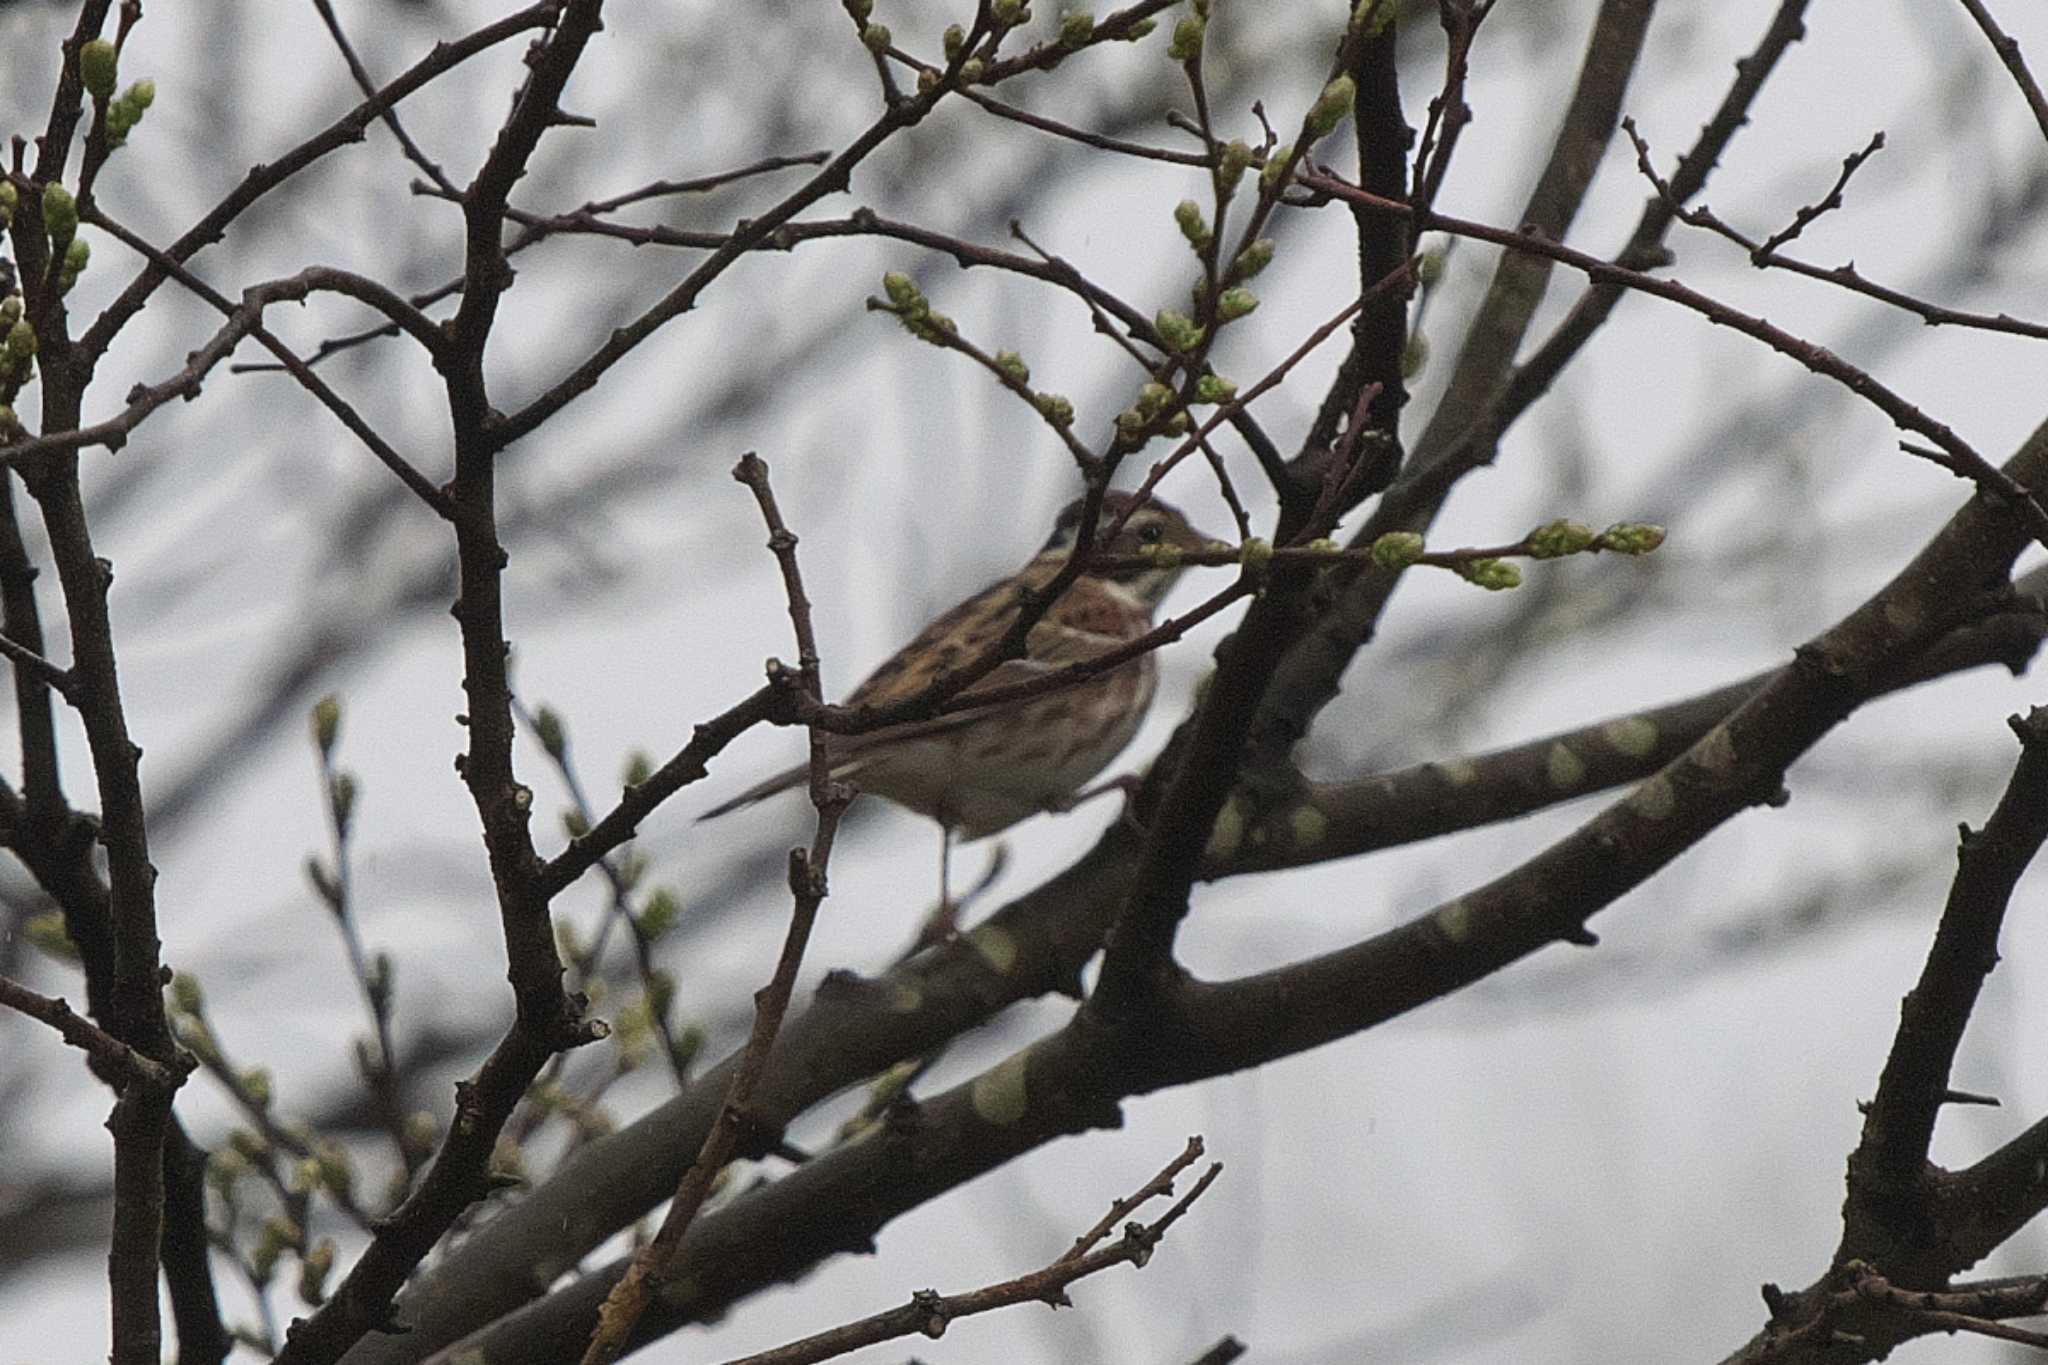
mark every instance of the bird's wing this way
{"type": "Point", "coordinates": [954, 639]}
{"type": "Point", "coordinates": [958, 638]}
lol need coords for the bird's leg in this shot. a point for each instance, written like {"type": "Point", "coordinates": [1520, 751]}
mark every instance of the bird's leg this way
{"type": "Point", "coordinates": [943, 922]}
{"type": "Point", "coordinates": [946, 870]}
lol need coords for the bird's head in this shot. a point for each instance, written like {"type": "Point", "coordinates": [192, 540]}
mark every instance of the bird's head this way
{"type": "Point", "coordinates": [1151, 525]}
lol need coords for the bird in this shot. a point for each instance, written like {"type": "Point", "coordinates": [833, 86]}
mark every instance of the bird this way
{"type": "Point", "coordinates": [979, 771]}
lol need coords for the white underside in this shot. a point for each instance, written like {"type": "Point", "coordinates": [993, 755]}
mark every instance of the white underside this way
{"type": "Point", "coordinates": [978, 797]}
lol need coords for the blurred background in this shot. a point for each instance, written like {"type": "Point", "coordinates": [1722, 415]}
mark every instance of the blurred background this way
{"type": "Point", "coordinates": [1593, 1156]}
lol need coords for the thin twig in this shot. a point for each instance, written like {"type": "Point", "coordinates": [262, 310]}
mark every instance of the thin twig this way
{"type": "Point", "coordinates": [347, 129]}
{"type": "Point", "coordinates": [60, 680]}
{"type": "Point", "coordinates": [2008, 50]}
{"type": "Point", "coordinates": [930, 1314]}
{"type": "Point", "coordinates": [1806, 216]}
{"type": "Point", "coordinates": [1100, 141]}
{"type": "Point", "coordinates": [1160, 1184]}
{"type": "Point", "coordinates": [1764, 256]}
{"type": "Point", "coordinates": [246, 319]}
{"type": "Point", "coordinates": [120, 1062]}
{"type": "Point", "coordinates": [620, 909]}
{"type": "Point", "coordinates": [369, 88]}
{"type": "Point", "coordinates": [536, 228]}
{"type": "Point", "coordinates": [628, 1298]}
{"type": "Point", "coordinates": [1959, 457]}
{"type": "Point", "coordinates": [337, 889]}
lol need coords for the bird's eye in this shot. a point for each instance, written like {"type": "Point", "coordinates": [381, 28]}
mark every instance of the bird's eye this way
{"type": "Point", "coordinates": [1151, 534]}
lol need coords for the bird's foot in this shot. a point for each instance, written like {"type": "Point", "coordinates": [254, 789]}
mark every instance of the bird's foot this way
{"type": "Point", "coordinates": [1130, 784]}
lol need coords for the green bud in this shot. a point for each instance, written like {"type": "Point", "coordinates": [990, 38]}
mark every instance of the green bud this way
{"type": "Point", "coordinates": [1397, 549]}
{"type": "Point", "coordinates": [248, 1144]}
{"type": "Point", "coordinates": [659, 914]}
{"type": "Point", "coordinates": [1131, 421]}
{"type": "Point", "coordinates": [422, 1132]}
{"type": "Point", "coordinates": [575, 823]}
{"type": "Point", "coordinates": [1331, 106]}
{"type": "Point", "coordinates": [1177, 425]}
{"type": "Point", "coordinates": [1055, 408]}
{"type": "Point", "coordinates": [1234, 303]}
{"type": "Point", "coordinates": [278, 1233]}
{"type": "Point", "coordinates": [1153, 397]}
{"type": "Point", "coordinates": [60, 214]}
{"type": "Point", "coordinates": [140, 95]}
{"type": "Point", "coordinates": [185, 993]}
{"type": "Point", "coordinates": [954, 40]}
{"type": "Point", "coordinates": [1140, 29]}
{"type": "Point", "coordinates": [1187, 39]}
{"type": "Point", "coordinates": [1232, 163]}
{"type": "Point", "coordinates": [1630, 538]}
{"type": "Point", "coordinates": [10, 310]}
{"type": "Point", "coordinates": [1414, 355]}
{"type": "Point", "coordinates": [902, 290]}
{"type": "Point", "coordinates": [120, 121]}
{"type": "Point", "coordinates": [1372, 15]}
{"type": "Point", "coordinates": [1494, 575]}
{"type": "Point", "coordinates": [1077, 26]}
{"type": "Point", "coordinates": [21, 340]}
{"type": "Point", "coordinates": [1276, 169]}
{"type": "Point", "coordinates": [314, 1268]}
{"type": "Point", "coordinates": [377, 978]}
{"type": "Point", "coordinates": [1254, 258]}
{"type": "Point", "coordinates": [10, 199]}
{"type": "Point", "coordinates": [337, 1172]}
{"type": "Point", "coordinates": [341, 796]}
{"type": "Point", "coordinates": [661, 993]}
{"type": "Point", "coordinates": [1188, 214]}
{"type": "Point", "coordinates": [632, 866]}
{"type": "Point", "coordinates": [1214, 388]}
{"type": "Point", "coordinates": [195, 1035]}
{"type": "Point", "coordinates": [1256, 555]}
{"type": "Point", "coordinates": [690, 1040]}
{"type": "Point", "coordinates": [1010, 13]}
{"type": "Point", "coordinates": [1429, 268]}
{"type": "Point", "coordinates": [632, 1035]}
{"type": "Point", "coordinates": [876, 38]}
{"type": "Point", "coordinates": [1177, 330]}
{"type": "Point", "coordinates": [639, 767]}
{"type": "Point", "coordinates": [96, 62]}
{"type": "Point", "coordinates": [224, 1167]}
{"type": "Point", "coordinates": [1166, 556]}
{"type": "Point", "coordinates": [547, 728]}
{"type": "Point", "coordinates": [970, 71]}
{"type": "Point", "coordinates": [927, 80]}
{"type": "Point", "coordinates": [860, 10]}
{"type": "Point", "coordinates": [256, 1086]}
{"type": "Point", "coordinates": [10, 425]}
{"type": "Point", "coordinates": [1322, 545]}
{"type": "Point", "coordinates": [1555, 539]}
{"type": "Point", "coordinates": [324, 882]}
{"type": "Point", "coordinates": [929, 326]}
{"type": "Point", "coordinates": [1013, 367]}
{"type": "Point", "coordinates": [326, 718]}
{"type": "Point", "coordinates": [508, 1161]}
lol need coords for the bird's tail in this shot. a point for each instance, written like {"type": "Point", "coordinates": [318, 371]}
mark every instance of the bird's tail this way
{"type": "Point", "coordinates": [761, 791]}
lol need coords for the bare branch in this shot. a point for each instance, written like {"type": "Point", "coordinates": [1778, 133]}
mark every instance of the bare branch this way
{"type": "Point", "coordinates": [931, 1314]}
{"type": "Point", "coordinates": [121, 1063]}
{"type": "Point", "coordinates": [650, 1267]}
{"type": "Point", "coordinates": [2008, 50]}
